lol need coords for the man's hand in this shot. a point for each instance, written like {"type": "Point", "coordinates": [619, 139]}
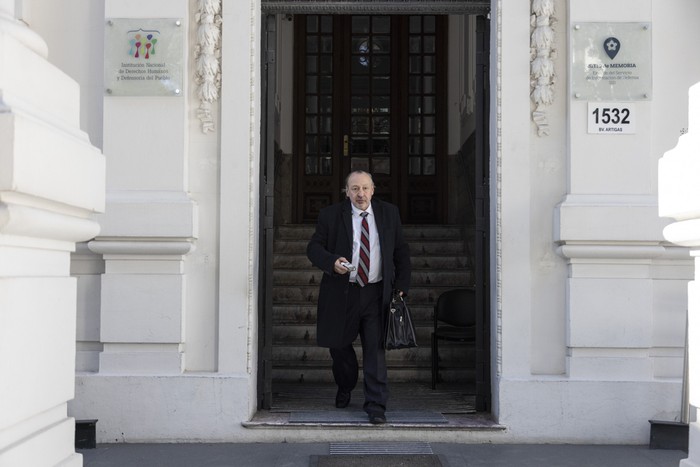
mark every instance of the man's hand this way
{"type": "Point", "coordinates": [339, 268]}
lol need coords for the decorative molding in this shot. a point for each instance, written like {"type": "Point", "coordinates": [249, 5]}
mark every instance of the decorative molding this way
{"type": "Point", "coordinates": [685, 233]}
{"type": "Point", "coordinates": [618, 252]}
{"type": "Point", "coordinates": [43, 226]}
{"type": "Point", "coordinates": [136, 247]}
{"type": "Point", "coordinates": [542, 53]}
{"type": "Point", "coordinates": [253, 180]}
{"type": "Point", "coordinates": [446, 7]}
{"type": "Point", "coordinates": [207, 55]}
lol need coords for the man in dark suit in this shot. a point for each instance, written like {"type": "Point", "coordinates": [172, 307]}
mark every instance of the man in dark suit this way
{"type": "Point", "coordinates": [359, 245]}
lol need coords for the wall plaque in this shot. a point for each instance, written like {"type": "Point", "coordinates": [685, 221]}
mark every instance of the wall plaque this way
{"type": "Point", "coordinates": [611, 61]}
{"type": "Point", "coordinates": [143, 57]}
{"type": "Point", "coordinates": [611, 118]}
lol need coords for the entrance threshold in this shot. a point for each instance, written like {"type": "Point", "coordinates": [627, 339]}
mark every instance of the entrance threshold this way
{"type": "Point", "coordinates": [467, 422]}
{"type": "Point", "coordinates": [412, 406]}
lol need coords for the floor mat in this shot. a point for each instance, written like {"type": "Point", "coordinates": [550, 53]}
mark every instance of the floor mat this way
{"type": "Point", "coordinates": [356, 416]}
{"type": "Point", "coordinates": [381, 460]}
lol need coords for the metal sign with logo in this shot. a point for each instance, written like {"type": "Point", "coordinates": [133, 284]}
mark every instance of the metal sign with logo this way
{"type": "Point", "coordinates": [611, 61]}
{"type": "Point", "coordinates": [143, 57]}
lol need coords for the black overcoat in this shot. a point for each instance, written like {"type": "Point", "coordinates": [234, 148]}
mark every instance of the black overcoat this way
{"type": "Point", "coordinates": [333, 239]}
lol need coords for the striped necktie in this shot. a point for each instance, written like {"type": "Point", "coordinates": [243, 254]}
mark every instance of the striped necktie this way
{"type": "Point", "coordinates": [363, 270]}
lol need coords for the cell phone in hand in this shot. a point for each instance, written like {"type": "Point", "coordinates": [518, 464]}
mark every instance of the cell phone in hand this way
{"type": "Point", "coordinates": [348, 266]}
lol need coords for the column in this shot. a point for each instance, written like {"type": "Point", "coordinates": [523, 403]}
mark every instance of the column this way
{"type": "Point", "coordinates": [679, 198]}
{"type": "Point", "coordinates": [52, 181]}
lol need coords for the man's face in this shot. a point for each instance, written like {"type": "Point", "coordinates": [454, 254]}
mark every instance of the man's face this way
{"type": "Point", "coordinates": [360, 190]}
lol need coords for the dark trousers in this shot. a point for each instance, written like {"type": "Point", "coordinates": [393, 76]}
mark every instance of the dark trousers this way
{"type": "Point", "coordinates": [363, 316]}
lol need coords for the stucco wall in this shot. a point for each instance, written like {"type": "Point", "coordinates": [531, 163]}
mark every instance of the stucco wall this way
{"type": "Point", "coordinates": [588, 299]}
{"type": "Point", "coordinates": [591, 298]}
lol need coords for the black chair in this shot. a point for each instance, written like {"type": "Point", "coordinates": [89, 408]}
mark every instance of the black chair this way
{"type": "Point", "coordinates": [457, 310]}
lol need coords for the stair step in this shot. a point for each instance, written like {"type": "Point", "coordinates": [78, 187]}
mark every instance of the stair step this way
{"type": "Point", "coordinates": [431, 262]}
{"type": "Point", "coordinates": [299, 333]}
{"type": "Point", "coordinates": [417, 247]}
{"type": "Point", "coordinates": [308, 294]}
{"type": "Point", "coordinates": [456, 356]}
{"type": "Point", "coordinates": [455, 278]}
{"type": "Point", "coordinates": [286, 314]}
{"type": "Point", "coordinates": [410, 232]}
{"type": "Point", "coordinates": [409, 374]}
{"type": "Point", "coordinates": [297, 261]}
{"type": "Point", "coordinates": [439, 262]}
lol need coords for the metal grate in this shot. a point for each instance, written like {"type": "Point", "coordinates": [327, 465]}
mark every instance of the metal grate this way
{"type": "Point", "coordinates": [417, 447]}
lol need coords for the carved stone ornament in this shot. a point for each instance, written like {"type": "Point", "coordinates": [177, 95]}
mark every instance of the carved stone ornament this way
{"type": "Point", "coordinates": [542, 54]}
{"type": "Point", "coordinates": [207, 55]}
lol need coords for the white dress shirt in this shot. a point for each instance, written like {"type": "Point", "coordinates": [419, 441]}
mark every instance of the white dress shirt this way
{"type": "Point", "coordinates": [375, 254]}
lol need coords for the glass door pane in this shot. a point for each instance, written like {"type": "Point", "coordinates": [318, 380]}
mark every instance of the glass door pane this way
{"type": "Point", "coordinates": [318, 158]}
{"type": "Point", "coordinates": [370, 94]}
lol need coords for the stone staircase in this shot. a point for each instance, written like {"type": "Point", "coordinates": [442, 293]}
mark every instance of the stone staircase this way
{"type": "Point", "coordinates": [440, 262]}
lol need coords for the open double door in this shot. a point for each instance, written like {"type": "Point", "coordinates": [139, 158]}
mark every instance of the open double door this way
{"type": "Point", "coordinates": [370, 94]}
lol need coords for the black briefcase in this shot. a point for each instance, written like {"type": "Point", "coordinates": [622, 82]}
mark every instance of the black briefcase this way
{"type": "Point", "coordinates": [400, 333]}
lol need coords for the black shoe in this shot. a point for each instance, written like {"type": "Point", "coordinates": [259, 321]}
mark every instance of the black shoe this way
{"type": "Point", "coordinates": [342, 399]}
{"type": "Point", "coordinates": [377, 418]}
{"type": "Point", "coordinates": [375, 412]}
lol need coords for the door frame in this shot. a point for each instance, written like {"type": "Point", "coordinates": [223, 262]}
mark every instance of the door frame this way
{"type": "Point", "coordinates": [267, 233]}
{"type": "Point", "coordinates": [271, 8]}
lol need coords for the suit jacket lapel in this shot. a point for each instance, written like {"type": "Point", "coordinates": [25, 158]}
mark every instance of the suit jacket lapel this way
{"type": "Point", "coordinates": [380, 221]}
{"type": "Point", "coordinates": [347, 220]}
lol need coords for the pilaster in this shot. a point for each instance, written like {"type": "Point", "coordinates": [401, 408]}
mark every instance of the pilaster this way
{"type": "Point", "coordinates": [142, 305]}
{"type": "Point", "coordinates": [623, 321]}
{"type": "Point", "coordinates": [150, 224]}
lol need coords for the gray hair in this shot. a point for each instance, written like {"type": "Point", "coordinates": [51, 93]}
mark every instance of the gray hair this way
{"type": "Point", "coordinates": [358, 172]}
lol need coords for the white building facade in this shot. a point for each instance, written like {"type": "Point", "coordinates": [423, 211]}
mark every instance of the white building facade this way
{"type": "Point", "coordinates": [588, 298]}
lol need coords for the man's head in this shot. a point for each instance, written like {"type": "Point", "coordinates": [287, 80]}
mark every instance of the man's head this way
{"type": "Point", "coordinates": [359, 187]}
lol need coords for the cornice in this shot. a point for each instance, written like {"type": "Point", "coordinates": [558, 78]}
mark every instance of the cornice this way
{"type": "Point", "coordinates": [336, 7]}
{"type": "Point", "coordinates": [36, 224]}
{"type": "Point", "coordinates": [141, 246]}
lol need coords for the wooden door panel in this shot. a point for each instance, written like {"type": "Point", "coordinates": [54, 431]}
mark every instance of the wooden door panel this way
{"type": "Point", "coordinates": [316, 146]}
{"type": "Point", "coordinates": [370, 95]}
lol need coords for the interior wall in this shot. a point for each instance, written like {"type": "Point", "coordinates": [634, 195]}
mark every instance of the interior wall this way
{"type": "Point", "coordinates": [461, 117]}
{"type": "Point", "coordinates": [284, 103]}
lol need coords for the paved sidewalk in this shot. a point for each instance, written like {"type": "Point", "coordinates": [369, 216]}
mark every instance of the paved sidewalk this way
{"type": "Point", "coordinates": [299, 455]}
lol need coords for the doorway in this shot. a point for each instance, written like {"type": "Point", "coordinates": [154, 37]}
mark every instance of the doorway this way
{"type": "Point", "coordinates": [368, 117]}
